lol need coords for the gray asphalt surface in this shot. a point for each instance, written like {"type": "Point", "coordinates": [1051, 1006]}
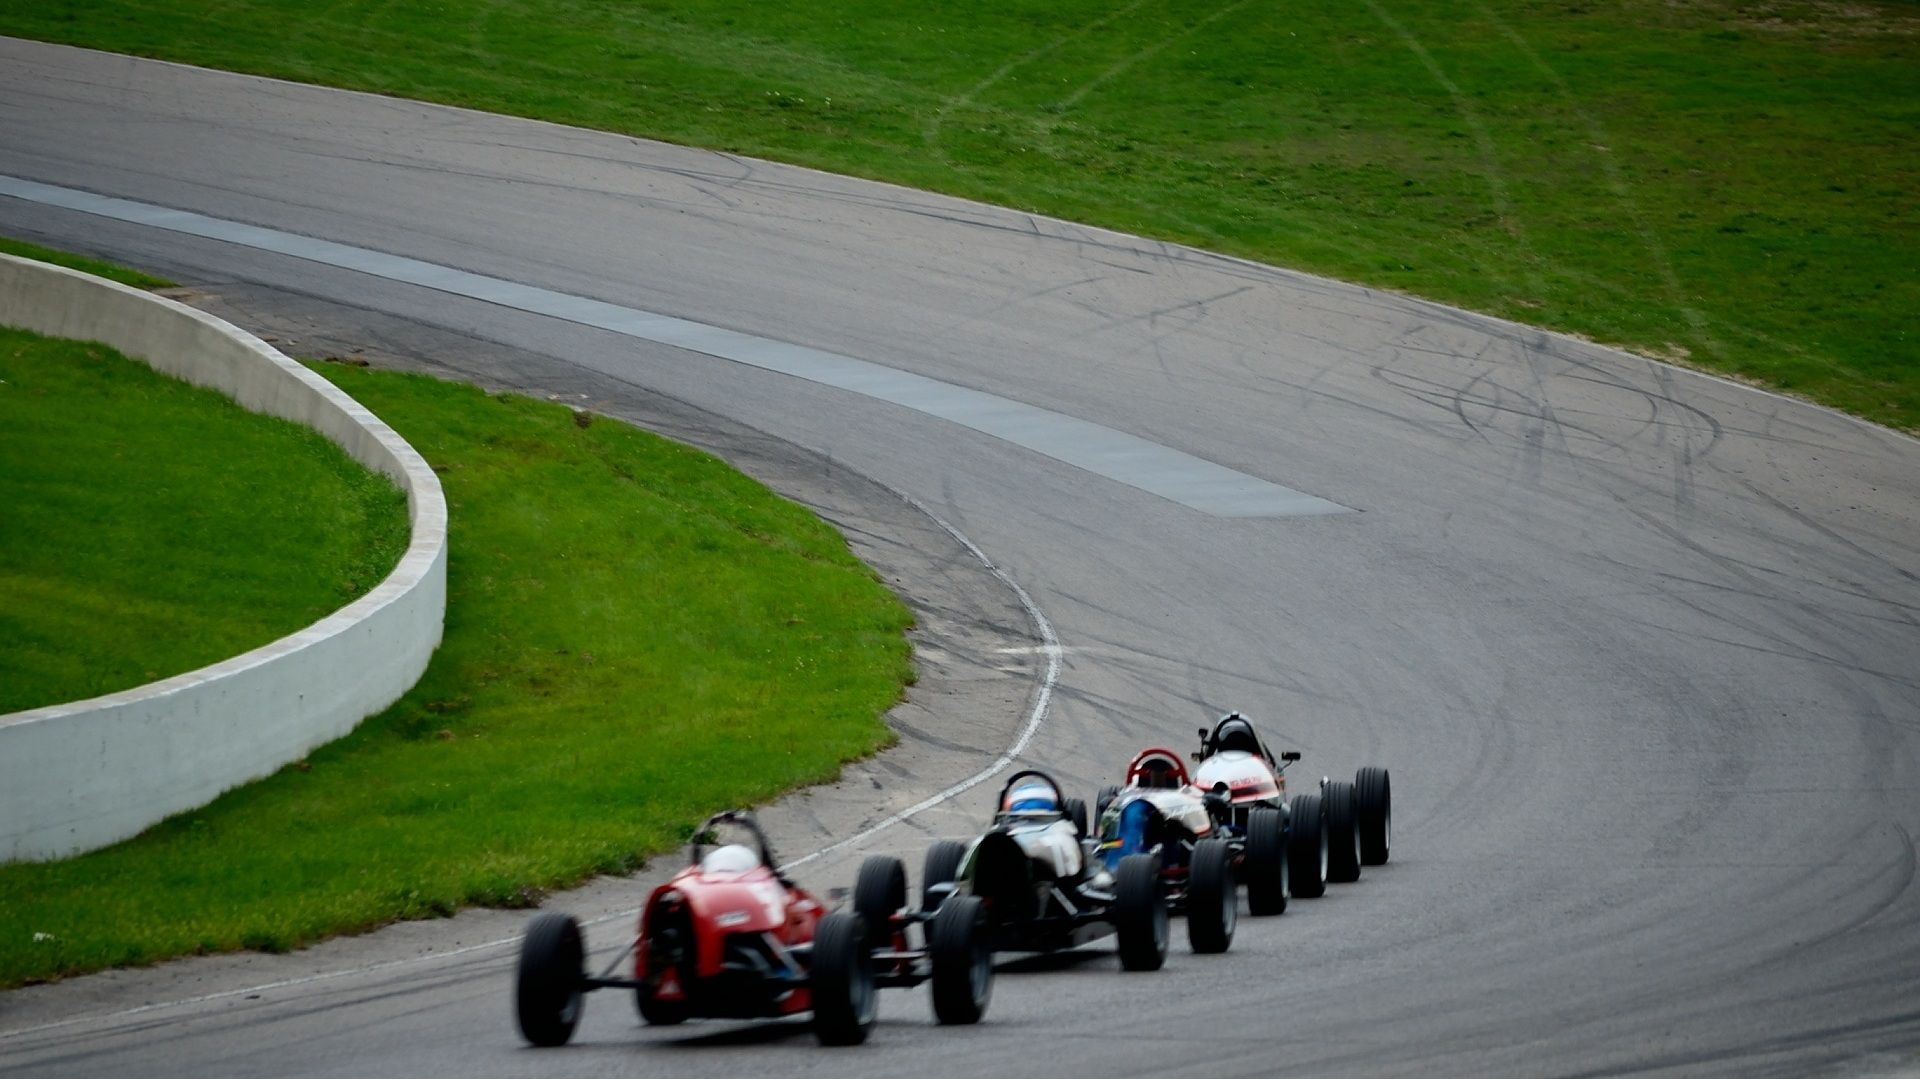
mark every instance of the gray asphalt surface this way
{"type": "Point", "coordinates": [1642, 648]}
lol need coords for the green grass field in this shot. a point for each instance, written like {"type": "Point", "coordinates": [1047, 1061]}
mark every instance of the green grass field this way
{"type": "Point", "coordinates": [636, 635]}
{"type": "Point", "coordinates": [1731, 184]}
{"type": "Point", "coordinates": [152, 527]}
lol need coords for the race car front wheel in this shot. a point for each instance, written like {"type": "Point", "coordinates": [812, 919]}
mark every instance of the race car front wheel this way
{"type": "Point", "coordinates": [962, 961]}
{"type": "Point", "coordinates": [669, 949]}
{"type": "Point", "coordinates": [1213, 902]}
{"type": "Point", "coordinates": [845, 999]}
{"type": "Point", "coordinates": [1140, 913]}
{"type": "Point", "coordinates": [548, 993]}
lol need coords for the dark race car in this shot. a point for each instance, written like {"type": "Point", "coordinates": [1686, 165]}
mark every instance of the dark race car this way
{"type": "Point", "coordinates": [1042, 889]}
{"type": "Point", "coordinates": [1355, 818]}
{"type": "Point", "coordinates": [1204, 852]}
{"type": "Point", "coordinates": [731, 937]}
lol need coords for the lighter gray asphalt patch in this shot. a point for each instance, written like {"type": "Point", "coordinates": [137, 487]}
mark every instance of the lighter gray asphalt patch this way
{"type": "Point", "coordinates": [1160, 470]}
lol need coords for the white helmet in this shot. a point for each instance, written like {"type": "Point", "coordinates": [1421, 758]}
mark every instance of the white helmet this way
{"type": "Point", "coordinates": [729, 859]}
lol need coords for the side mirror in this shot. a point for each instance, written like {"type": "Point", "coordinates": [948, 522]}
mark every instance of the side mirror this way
{"type": "Point", "coordinates": [1290, 755]}
{"type": "Point", "coordinates": [1198, 756]}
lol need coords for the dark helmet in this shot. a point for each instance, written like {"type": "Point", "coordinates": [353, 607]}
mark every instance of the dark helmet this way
{"type": "Point", "coordinates": [1159, 772]}
{"type": "Point", "coordinates": [1235, 733]}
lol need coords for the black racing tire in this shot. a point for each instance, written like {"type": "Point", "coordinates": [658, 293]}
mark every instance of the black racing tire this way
{"type": "Point", "coordinates": [1374, 792]}
{"type": "Point", "coordinates": [548, 993]}
{"type": "Point", "coordinates": [1213, 901]}
{"type": "Point", "coordinates": [1265, 864]}
{"type": "Point", "coordinates": [962, 961]}
{"type": "Point", "coordinates": [1103, 800]}
{"type": "Point", "coordinates": [845, 999]}
{"type": "Point", "coordinates": [1307, 847]}
{"type": "Point", "coordinates": [880, 893]}
{"type": "Point", "coordinates": [1140, 913]}
{"type": "Point", "coordinates": [1077, 813]}
{"type": "Point", "coordinates": [941, 866]}
{"type": "Point", "coordinates": [1343, 832]}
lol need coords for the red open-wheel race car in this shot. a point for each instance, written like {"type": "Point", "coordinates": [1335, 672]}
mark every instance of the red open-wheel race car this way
{"type": "Point", "coordinates": [731, 937]}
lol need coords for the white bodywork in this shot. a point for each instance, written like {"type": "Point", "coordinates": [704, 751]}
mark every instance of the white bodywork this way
{"type": "Point", "coordinates": [1054, 844]}
{"type": "Point", "coordinates": [1182, 806]}
{"type": "Point", "coordinates": [1248, 777]}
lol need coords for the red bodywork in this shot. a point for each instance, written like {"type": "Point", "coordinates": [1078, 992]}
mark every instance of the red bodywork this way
{"type": "Point", "coordinates": [1249, 778]}
{"type": "Point", "coordinates": [719, 905]}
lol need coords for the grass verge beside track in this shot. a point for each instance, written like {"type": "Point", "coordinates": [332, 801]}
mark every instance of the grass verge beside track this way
{"type": "Point", "coordinates": [151, 527]}
{"type": "Point", "coordinates": [136, 278]}
{"type": "Point", "coordinates": [1727, 183]}
{"type": "Point", "coordinates": [636, 635]}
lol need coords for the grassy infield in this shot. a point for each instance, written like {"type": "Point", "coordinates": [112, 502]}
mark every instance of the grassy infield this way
{"type": "Point", "coordinates": [1731, 184]}
{"type": "Point", "coordinates": [125, 491]}
{"type": "Point", "coordinates": [636, 635]}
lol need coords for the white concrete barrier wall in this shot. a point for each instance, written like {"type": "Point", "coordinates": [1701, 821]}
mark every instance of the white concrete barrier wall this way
{"type": "Point", "coordinates": [79, 776]}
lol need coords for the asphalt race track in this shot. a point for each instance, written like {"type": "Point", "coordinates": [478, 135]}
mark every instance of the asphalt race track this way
{"type": "Point", "coordinates": [1642, 648]}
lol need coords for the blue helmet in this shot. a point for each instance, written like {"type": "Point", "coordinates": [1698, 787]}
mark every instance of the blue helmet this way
{"type": "Point", "coordinates": [1032, 796]}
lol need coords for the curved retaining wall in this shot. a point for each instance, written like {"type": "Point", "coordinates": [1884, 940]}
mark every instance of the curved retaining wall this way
{"type": "Point", "coordinates": [78, 776]}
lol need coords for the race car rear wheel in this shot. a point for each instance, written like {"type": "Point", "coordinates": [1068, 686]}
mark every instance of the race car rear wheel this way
{"type": "Point", "coordinates": [1103, 800]}
{"type": "Point", "coordinates": [941, 867]}
{"type": "Point", "coordinates": [1265, 865]}
{"type": "Point", "coordinates": [1307, 847]}
{"type": "Point", "coordinates": [548, 992]}
{"type": "Point", "coordinates": [1343, 831]}
{"type": "Point", "coordinates": [1140, 913]}
{"type": "Point", "coordinates": [1213, 902]}
{"type": "Point", "coordinates": [845, 1000]}
{"type": "Point", "coordinates": [880, 893]}
{"type": "Point", "coordinates": [1077, 813]}
{"type": "Point", "coordinates": [962, 961]}
{"type": "Point", "coordinates": [1375, 796]}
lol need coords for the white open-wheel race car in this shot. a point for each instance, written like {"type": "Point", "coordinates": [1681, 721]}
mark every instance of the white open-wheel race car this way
{"type": "Point", "coordinates": [1042, 888]}
{"type": "Point", "coordinates": [1356, 818]}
